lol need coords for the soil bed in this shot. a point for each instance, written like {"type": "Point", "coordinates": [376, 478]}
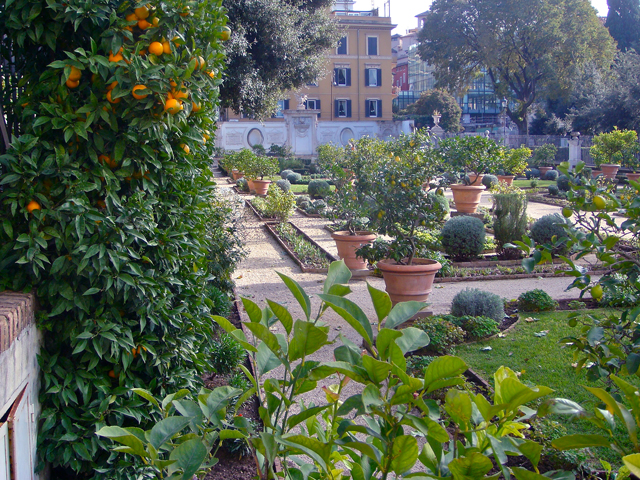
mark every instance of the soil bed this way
{"type": "Point", "coordinates": [305, 267]}
{"type": "Point", "coordinates": [548, 200]}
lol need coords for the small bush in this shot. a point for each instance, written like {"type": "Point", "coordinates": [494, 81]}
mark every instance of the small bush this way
{"type": "Point", "coordinates": [302, 198]}
{"type": "Point", "coordinates": [443, 334]}
{"type": "Point", "coordinates": [440, 209]}
{"type": "Point", "coordinates": [563, 183]}
{"type": "Point", "coordinates": [319, 188]}
{"type": "Point", "coordinates": [319, 205]}
{"type": "Point", "coordinates": [534, 183]}
{"type": "Point", "coordinates": [619, 292]}
{"type": "Point", "coordinates": [221, 302]}
{"type": "Point", "coordinates": [306, 205]}
{"type": "Point", "coordinates": [536, 301]}
{"type": "Point", "coordinates": [285, 173]}
{"type": "Point", "coordinates": [551, 175]}
{"type": "Point", "coordinates": [532, 173]}
{"type": "Point", "coordinates": [463, 237]}
{"type": "Point", "coordinates": [242, 184]}
{"type": "Point", "coordinates": [554, 190]}
{"type": "Point", "coordinates": [293, 178]}
{"type": "Point", "coordinates": [279, 204]}
{"type": "Point", "coordinates": [489, 181]}
{"type": "Point", "coordinates": [226, 354]}
{"type": "Point", "coordinates": [545, 228]}
{"type": "Point", "coordinates": [284, 185]}
{"type": "Point", "coordinates": [476, 327]}
{"type": "Point", "coordinates": [478, 303]}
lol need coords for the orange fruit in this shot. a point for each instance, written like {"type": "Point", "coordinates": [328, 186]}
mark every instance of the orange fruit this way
{"type": "Point", "coordinates": [112, 374]}
{"type": "Point", "coordinates": [195, 108]}
{"type": "Point", "coordinates": [202, 63]}
{"type": "Point", "coordinates": [212, 74]}
{"type": "Point", "coordinates": [142, 52]}
{"type": "Point", "coordinates": [33, 205]}
{"type": "Point", "coordinates": [143, 24]}
{"type": "Point", "coordinates": [132, 17]}
{"type": "Point", "coordinates": [75, 74]}
{"type": "Point", "coordinates": [155, 22]}
{"type": "Point", "coordinates": [114, 101]}
{"type": "Point", "coordinates": [104, 159]}
{"type": "Point", "coordinates": [173, 84]}
{"type": "Point", "coordinates": [173, 106]}
{"type": "Point", "coordinates": [156, 48]}
{"type": "Point", "coordinates": [169, 96]}
{"type": "Point", "coordinates": [225, 34]}
{"type": "Point", "coordinates": [185, 148]}
{"type": "Point", "coordinates": [142, 12]}
{"type": "Point", "coordinates": [166, 47]}
{"type": "Point", "coordinates": [117, 57]}
{"type": "Point", "coordinates": [180, 94]}
{"type": "Point", "coordinates": [72, 84]}
{"type": "Point", "coordinates": [185, 11]}
{"type": "Point", "coordinates": [139, 96]}
{"type": "Point", "coordinates": [112, 85]}
{"type": "Point", "coordinates": [101, 204]}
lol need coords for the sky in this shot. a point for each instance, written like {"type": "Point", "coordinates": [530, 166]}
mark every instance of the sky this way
{"type": "Point", "coordinates": [403, 12]}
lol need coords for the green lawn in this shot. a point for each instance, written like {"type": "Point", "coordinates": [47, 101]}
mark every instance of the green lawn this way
{"type": "Point", "coordinates": [303, 188]}
{"type": "Point", "coordinates": [527, 183]}
{"type": "Point", "coordinates": [541, 360]}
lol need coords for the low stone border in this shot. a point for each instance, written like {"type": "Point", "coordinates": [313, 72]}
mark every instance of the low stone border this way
{"type": "Point", "coordinates": [309, 215]}
{"type": "Point", "coordinates": [514, 276]}
{"type": "Point", "coordinates": [303, 267]}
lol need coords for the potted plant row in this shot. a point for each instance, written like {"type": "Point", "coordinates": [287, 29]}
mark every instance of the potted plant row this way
{"type": "Point", "coordinates": [514, 162]}
{"type": "Point", "coordinates": [254, 167]}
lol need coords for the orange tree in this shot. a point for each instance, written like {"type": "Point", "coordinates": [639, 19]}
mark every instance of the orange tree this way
{"type": "Point", "coordinates": [108, 210]}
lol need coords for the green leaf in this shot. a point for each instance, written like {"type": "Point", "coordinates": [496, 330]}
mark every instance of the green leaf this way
{"type": "Point", "coordinates": [385, 339]}
{"type": "Point", "coordinates": [569, 442]}
{"type": "Point", "coordinates": [146, 394]}
{"type": "Point", "coordinates": [381, 302]}
{"type": "Point", "coordinates": [441, 369]}
{"type": "Point", "coordinates": [298, 293]}
{"type": "Point", "coordinates": [633, 362]}
{"type": "Point", "coordinates": [266, 360]}
{"type": "Point", "coordinates": [632, 462]}
{"type": "Point", "coordinates": [338, 274]}
{"type": "Point", "coordinates": [412, 339]}
{"type": "Point", "coordinates": [123, 436]}
{"type": "Point", "coordinates": [458, 406]}
{"type": "Point", "coordinates": [306, 413]}
{"type": "Point", "coordinates": [532, 451]}
{"type": "Point", "coordinates": [378, 371]}
{"type": "Point", "coordinates": [220, 397]}
{"type": "Point", "coordinates": [189, 456]}
{"type": "Point", "coordinates": [253, 310]}
{"type": "Point", "coordinates": [263, 333]}
{"type": "Point", "coordinates": [522, 474]}
{"type": "Point", "coordinates": [165, 429]}
{"type": "Point", "coordinates": [317, 450]}
{"type": "Point", "coordinates": [475, 465]}
{"type": "Point", "coordinates": [307, 339]}
{"type": "Point", "coordinates": [352, 313]}
{"type": "Point", "coordinates": [402, 312]}
{"type": "Point", "coordinates": [404, 453]}
{"type": "Point", "coordinates": [283, 315]}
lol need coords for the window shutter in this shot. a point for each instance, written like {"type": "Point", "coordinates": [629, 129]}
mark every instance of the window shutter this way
{"type": "Point", "coordinates": [318, 107]}
{"type": "Point", "coordinates": [366, 77]}
{"type": "Point", "coordinates": [379, 72]}
{"type": "Point", "coordinates": [349, 108]}
{"type": "Point", "coordinates": [366, 108]}
{"type": "Point", "coordinates": [335, 76]}
{"type": "Point", "coordinates": [335, 108]}
{"type": "Point", "coordinates": [348, 76]}
{"type": "Point", "coordinates": [379, 107]}
{"type": "Point", "coordinates": [286, 104]}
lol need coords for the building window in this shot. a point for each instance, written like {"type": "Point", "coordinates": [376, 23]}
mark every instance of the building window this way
{"type": "Point", "coordinates": [372, 45]}
{"type": "Point", "coordinates": [342, 77]}
{"type": "Point", "coordinates": [373, 108]}
{"type": "Point", "coordinates": [373, 77]}
{"type": "Point", "coordinates": [343, 109]}
{"type": "Point", "coordinates": [342, 46]}
{"type": "Point", "coordinates": [313, 104]}
{"type": "Point", "coordinates": [282, 106]}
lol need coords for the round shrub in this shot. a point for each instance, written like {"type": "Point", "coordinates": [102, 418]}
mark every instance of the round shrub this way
{"type": "Point", "coordinates": [554, 190]}
{"type": "Point", "coordinates": [440, 208]}
{"type": "Point", "coordinates": [226, 354]}
{"type": "Point", "coordinates": [551, 175]}
{"type": "Point", "coordinates": [319, 188]}
{"type": "Point", "coordinates": [563, 183]}
{"type": "Point", "coordinates": [476, 327]}
{"type": "Point", "coordinates": [478, 303]}
{"type": "Point", "coordinates": [284, 185]}
{"type": "Point", "coordinates": [306, 206]}
{"type": "Point", "coordinates": [285, 173]}
{"type": "Point", "coordinates": [534, 183]}
{"type": "Point", "coordinates": [294, 178]}
{"type": "Point", "coordinates": [536, 301]}
{"type": "Point", "coordinates": [242, 184]}
{"type": "Point", "coordinates": [442, 334]}
{"type": "Point", "coordinates": [547, 227]}
{"type": "Point", "coordinates": [489, 181]}
{"type": "Point", "coordinates": [532, 173]}
{"type": "Point", "coordinates": [318, 206]}
{"type": "Point", "coordinates": [463, 237]}
{"type": "Point", "coordinates": [302, 198]}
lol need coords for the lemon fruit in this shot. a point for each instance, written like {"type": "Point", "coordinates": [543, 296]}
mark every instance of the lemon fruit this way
{"type": "Point", "coordinates": [596, 292]}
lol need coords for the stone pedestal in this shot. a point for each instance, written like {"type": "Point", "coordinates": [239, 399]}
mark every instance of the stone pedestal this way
{"type": "Point", "coordinates": [302, 131]}
{"type": "Point", "coordinates": [575, 152]}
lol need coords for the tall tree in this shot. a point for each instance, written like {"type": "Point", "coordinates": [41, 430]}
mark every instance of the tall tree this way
{"type": "Point", "coordinates": [276, 46]}
{"type": "Point", "coordinates": [623, 22]}
{"type": "Point", "coordinates": [530, 48]}
{"type": "Point", "coordinates": [431, 101]}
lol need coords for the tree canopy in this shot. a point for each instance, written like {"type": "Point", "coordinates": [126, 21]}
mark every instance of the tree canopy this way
{"type": "Point", "coordinates": [432, 100]}
{"type": "Point", "coordinates": [529, 48]}
{"type": "Point", "coordinates": [276, 46]}
{"type": "Point", "coordinates": [623, 22]}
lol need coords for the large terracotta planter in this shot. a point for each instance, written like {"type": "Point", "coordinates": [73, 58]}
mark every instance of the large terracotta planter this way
{"type": "Point", "coordinates": [543, 171]}
{"type": "Point", "coordinates": [508, 179]}
{"type": "Point", "coordinates": [475, 179]}
{"type": "Point", "coordinates": [595, 173]}
{"type": "Point", "coordinates": [252, 188]}
{"type": "Point", "coordinates": [633, 176]}
{"type": "Point", "coordinates": [236, 175]}
{"type": "Point", "coordinates": [261, 186]}
{"type": "Point", "coordinates": [467, 197]}
{"type": "Point", "coordinates": [409, 282]}
{"type": "Point", "coordinates": [348, 244]}
{"type": "Point", "coordinates": [609, 170]}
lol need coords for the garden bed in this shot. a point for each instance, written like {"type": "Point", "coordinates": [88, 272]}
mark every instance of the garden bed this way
{"type": "Point", "coordinates": [548, 200]}
{"type": "Point", "coordinates": [309, 215]}
{"type": "Point", "coordinates": [314, 267]}
{"type": "Point", "coordinates": [257, 213]}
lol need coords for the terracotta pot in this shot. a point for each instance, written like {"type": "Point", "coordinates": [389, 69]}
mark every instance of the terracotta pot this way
{"type": "Point", "coordinates": [467, 197]}
{"type": "Point", "coordinates": [348, 244]}
{"type": "Point", "coordinates": [543, 171]}
{"type": "Point", "coordinates": [609, 170]}
{"type": "Point", "coordinates": [261, 186]}
{"type": "Point", "coordinates": [508, 179]}
{"type": "Point", "coordinates": [236, 174]}
{"type": "Point", "coordinates": [409, 282]}
{"type": "Point", "coordinates": [476, 179]}
{"type": "Point", "coordinates": [252, 188]}
{"type": "Point", "coordinates": [595, 173]}
{"type": "Point", "coordinates": [633, 176]}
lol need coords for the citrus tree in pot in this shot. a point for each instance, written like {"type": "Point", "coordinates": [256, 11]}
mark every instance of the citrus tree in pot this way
{"type": "Point", "coordinates": [475, 156]}
{"type": "Point", "coordinates": [402, 208]}
{"type": "Point", "coordinates": [350, 203]}
{"type": "Point", "coordinates": [256, 168]}
{"type": "Point", "coordinates": [612, 149]}
{"type": "Point", "coordinates": [513, 163]}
